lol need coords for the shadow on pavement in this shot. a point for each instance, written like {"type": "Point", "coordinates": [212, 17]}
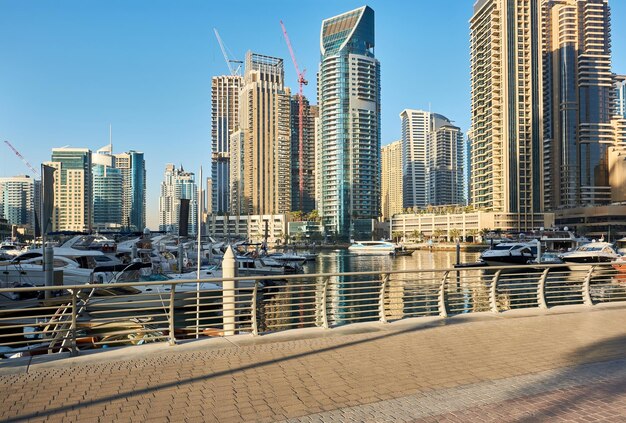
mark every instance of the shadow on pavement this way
{"type": "Point", "coordinates": [605, 389]}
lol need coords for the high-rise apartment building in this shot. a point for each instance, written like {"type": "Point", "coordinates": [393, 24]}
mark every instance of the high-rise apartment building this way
{"type": "Point", "coordinates": [224, 121]}
{"type": "Point", "coordinates": [578, 106]}
{"type": "Point", "coordinates": [107, 190]}
{"type": "Point", "coordinates": [445, 163]}
{"type": "Point", "coordinates": [391, 179]}
{"type": "Point", "coordinates": [132, 167]}
{"type": "Point", "coordinates": [432, 160]}
{"type": "Point", "coordinates": [349, 102]}
{"type": "Point", "coordinates": [303, 199]}
{"type": "Point", "coordinates": [19, 199]}
{"type": "Point", "coordinates": [73, 193]}
{"type": "Point", "coordinates": [506, 70]}
{"type": "Point", "coordinates": [177, 184]}
{"type": "Point", "coordinates": [415, 134]}
{"type": "Point", "coordinates": [262, 174]}
{"type": "Point", "coordinates": [620, 95]}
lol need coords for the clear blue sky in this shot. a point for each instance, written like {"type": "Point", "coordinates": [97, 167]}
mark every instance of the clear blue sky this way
{"type": "Point", "coordinates": [69, 68]}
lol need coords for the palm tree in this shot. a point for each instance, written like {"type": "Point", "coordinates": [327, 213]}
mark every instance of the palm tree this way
{"type": "Point", "coordinates": [453, 234]}
{"type": "Point", "coordinates": [396, 235]}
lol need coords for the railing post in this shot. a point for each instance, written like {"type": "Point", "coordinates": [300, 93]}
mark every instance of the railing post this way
{"type": "Point", "coordinates": [229, 270]}
{"type": "Point", "coordinates": [74, 350]}
{"type": "Point", "coordinates": [171, 314]}
{"type": "Point", "coordinates": [324, 307]}
{"type": "Point", "coordinates": [443, 309]}
{"type": "Point", "coordinates": [541, 289]}
{"type": "Point", "coordinates": [255, 323]}
{"type": "Point", "coordinates": [586, 287]}
{"type": "Point", "coordinates": [381, 299]}
{"type": "Point", "coordinates": [493, 292]}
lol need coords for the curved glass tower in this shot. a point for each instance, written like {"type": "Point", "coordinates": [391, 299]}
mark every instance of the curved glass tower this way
{"type": "Point", "coordinates": [349, 146]}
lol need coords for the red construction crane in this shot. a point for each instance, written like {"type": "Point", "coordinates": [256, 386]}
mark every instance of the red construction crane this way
{"type": "Point", "coordinates": [301, 82]}
{"type": "Point", "coordinates": [17, 153]}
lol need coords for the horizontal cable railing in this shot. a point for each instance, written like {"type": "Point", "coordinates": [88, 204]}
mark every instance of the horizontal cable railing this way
{"type": "Point", "coordinates": [40, 320]}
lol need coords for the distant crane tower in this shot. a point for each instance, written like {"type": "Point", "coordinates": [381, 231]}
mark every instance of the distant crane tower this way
{"type": "Point", "coordinates": [301, 81]}
{"type": "Point", "coordinates": [233, 71]}
{"type": "Point", "coordinates": [17, 153]}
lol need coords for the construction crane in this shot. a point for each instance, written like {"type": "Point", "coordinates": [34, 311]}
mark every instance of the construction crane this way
{"type": "Point", "coordinates": [17, 153]}
{"type": "Point", "coordinates": [301, 81]}
{"type": "Point", "coordinates": [229, 62]}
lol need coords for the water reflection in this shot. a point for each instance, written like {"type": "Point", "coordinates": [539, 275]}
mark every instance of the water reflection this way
{"type": "Point", "coordinates": [338, 300]}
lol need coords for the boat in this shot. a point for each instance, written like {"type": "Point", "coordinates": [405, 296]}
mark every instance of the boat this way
{"type": "Point", "coordinates": [619, 264]}
{"type": "Point", "coordinates": [549, 258]}
{"type": "Point", "coordinates": [372, 247]}
{"type": "Point", "coordinates": [591, 253]}
{"type": "Point", "coordinates": [510, 253]}
{"type": "Point", "coordinates": [290, 259]}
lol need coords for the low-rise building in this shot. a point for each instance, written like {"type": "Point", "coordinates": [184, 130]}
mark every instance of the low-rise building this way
{"type": "Point", "coordinates": [248, 227]}
{"type": "Point", "coordinates": [461, 225]}
{"type": "Point", "coordinates": [595, 221]}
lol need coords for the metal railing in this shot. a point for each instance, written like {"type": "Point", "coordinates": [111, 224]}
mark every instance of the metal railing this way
{"type": "Point", "coordinates": [79, 317]}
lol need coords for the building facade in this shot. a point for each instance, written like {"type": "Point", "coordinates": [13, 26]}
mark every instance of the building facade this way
{"type": "Point", "coordinates": [132, 167]}
{"type": "Point", "coordinates": [107, 190]}
{"type": "Point", "coordinates": [262, 177]}
{"type": "Point", "coordinates": [432, 160]}
{"type": "Point", "coordinates": [224, 121]}
{"type": "Point", "coordinates": [620, 95]}
{"type": "Point", "coordinates": [349, 101]}
{"type": "Point", "coordinates": [303, 192]}
{"type": "Point", "coordinates": [73, 193]}
{"type": "Point", "coordinates": [506, 109]}
{"type": "Point", "coordinates": [177, 184]}
{"type": "Point", "coordinates": [19, 200]}
{"type": "Point", "coordinates": [391, 179]}
{"type": "Point", "coordinates": [578, 102]}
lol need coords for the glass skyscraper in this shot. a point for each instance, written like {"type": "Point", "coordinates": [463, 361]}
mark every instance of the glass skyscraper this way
{"type": "Point", "coordinates": [349, 101]}
{"type": "Point", "coordinates": [133, 168]}
{"type": "Point", "coordinates": [578, 91]}
{"type": "Point", "coordinates": [107, 190]}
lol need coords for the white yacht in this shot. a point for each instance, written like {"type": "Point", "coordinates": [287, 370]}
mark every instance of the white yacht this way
{"type": "Point", "coordinates": [372, 247]}
{"type": "Point", "coordinates": [591, 253]}
{"type": "Point", "coordinates": [510, 253]}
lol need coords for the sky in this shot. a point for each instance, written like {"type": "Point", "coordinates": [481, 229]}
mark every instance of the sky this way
{"type": "Point", "coordinates": [68, 69]}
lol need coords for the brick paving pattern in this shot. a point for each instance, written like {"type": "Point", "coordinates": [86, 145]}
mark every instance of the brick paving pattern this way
{"type": "Point", "coordinates": [567, 363]}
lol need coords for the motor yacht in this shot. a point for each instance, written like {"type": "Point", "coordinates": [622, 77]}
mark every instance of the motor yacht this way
{"type": "Point", "coordinates": [510, 253]}
{"type": "Point", "coordinates": [372, 247]}
{"type": "Point", "coordinates": [591, 253]}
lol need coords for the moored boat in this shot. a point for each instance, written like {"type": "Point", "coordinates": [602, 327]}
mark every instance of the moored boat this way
{"type": "Point", "coordinates": [591, 253]}
{"type": "Point", "coordinates": [372, 247]}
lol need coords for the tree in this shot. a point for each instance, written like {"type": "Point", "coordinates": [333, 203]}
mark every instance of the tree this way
{"type": "Point", "coordinates": [396, 235]}
{"type": "Point", "coordinates": [438, 233]}
{"type": "Point", "coordinates": [297, 216]}
{"type": "Point", "coordinates": [314, 216]}
{"type": "Point", "coordinates": [472, 233]}
{"type": "Point", "coordinates": [454, 233]}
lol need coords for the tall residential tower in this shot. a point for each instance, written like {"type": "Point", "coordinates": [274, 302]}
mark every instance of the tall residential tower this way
{"type": "Point", "coordinates": [349, 101]}
{"type": "Point", "coordinates": [224, 121]}
{"type": "Point", "coordinates": [578, 90]}
{"type": "Point", "coordinates": [262, 146]}
{"type": "Point", "coordinates": [506, 71]}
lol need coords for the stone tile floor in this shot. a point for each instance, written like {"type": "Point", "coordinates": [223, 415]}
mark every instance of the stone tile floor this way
{"type": "Point", "coordinates": [564, 364]}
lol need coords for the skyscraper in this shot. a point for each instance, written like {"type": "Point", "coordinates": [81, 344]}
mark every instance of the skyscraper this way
{"type": "Point", "coordinates": [391, 179]}
{"type": "Point", "coordinates": [432, 160]}
{"type": "Point", "coordinates": [349, 102]}
{"type": "Point", "coordinates": [224, 121]}
{"type": "Point", "coordinates": [133, 169]}
{"type": "Point", "coordinates": [264, 171]}
{"type": "Point", "coordinates": [445, 163]}
{"type": "Point", "coordinates": [415, 134]}
{"type": "Point", "coordinates": [308, 155]}
{"type": "Point", "coordinates": [506, 69]}
{"type": "Point", "coordinates": [107, 190]}
{"type": "Point", "coordinates": [73, 206]}
{"type": "Point", "coordinates": [620, 95]}
{"type": "Point", "coordinates": [19, 199]}
{"type": "Point", "coordinates": [177, 184]}
{"type": "Point", "coordinates": [578, 90]}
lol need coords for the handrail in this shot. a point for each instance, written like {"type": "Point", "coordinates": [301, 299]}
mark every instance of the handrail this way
{"type": "Point", "coordinates": [249, 305]}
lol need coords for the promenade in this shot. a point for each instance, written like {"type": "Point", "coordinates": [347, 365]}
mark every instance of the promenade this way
{"type": "Point", "coordinates": [563, 364]}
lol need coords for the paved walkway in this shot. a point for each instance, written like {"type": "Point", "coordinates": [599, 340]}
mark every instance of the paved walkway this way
{"type": "Point", "coordinates": [564, 364]}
